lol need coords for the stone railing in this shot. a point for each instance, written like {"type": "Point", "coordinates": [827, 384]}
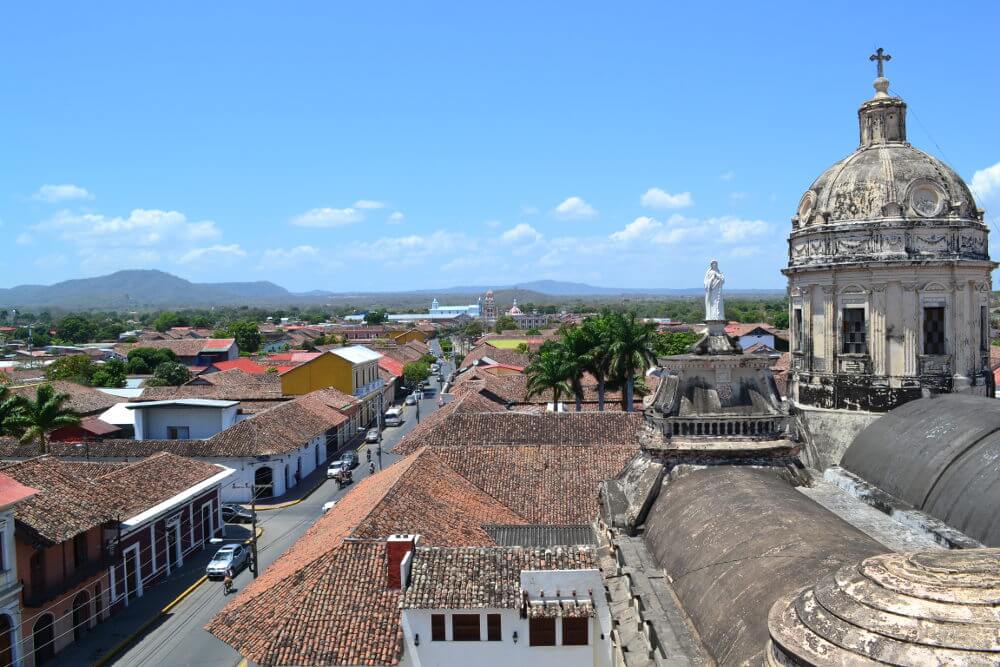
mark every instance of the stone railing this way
{"type": "Point", "coordinates": [726, 426]}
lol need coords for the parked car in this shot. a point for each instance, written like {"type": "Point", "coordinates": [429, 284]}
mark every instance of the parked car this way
{"type": "Point", "coordinates": [435, 368]}
{"type": "Point", "coordinates": [234, 513]}
{"type": "Point", "coordinates": [233, 557]}
{"type": "Point", "coordinates": [394, 417]}
{"type": "Point", "coordinates": [371, 435]}
{"type": "Point", "coordinates": [440, 377]}
{"type": "Point", "coordinates": [411, 399]}
{"type": "Point", "coordinates": [350, 458]}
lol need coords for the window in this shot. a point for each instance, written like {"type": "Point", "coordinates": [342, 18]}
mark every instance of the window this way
{"type": "Point", "coordinates": [465, 627]}
{"type": "Point", "coordinates": [178, 433]}
{"type": "Point", "coordinates": [80, 549]}
{"type": "Point", "coordinates": [934, 330]}
{"type": "Point", "coordinates": [854, 331]}
{"type": "Point", "coordinates": [984, 329]}
{"type": "Point", "coordinates": [493, 627]}
{"type": "Point", "coordinates": [797, 330]}
{"type": "Point", "coordinates": [575, 631]}
{"type": "Point", "coordinates": [36, 567]}
{"type": "Point", "coordinates": [542, 632]}
{"type": "Point", "coordinates": [437, 627]}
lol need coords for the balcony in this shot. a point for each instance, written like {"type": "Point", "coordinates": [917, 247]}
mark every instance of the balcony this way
{"type": "Point", "coordinates": [372, 386]}
{"type": "Point", "coordinates": [36, 596]}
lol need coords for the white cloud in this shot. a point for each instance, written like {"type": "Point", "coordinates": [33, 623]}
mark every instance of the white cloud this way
{"type": "Point", "coordinates": [215, 253]}
{"type": "Point", "coordinates": [737, 229]}
{"type": "Point", "coordinates": [727, 175]}
{"type": "Point", "coordinates": [142, 227]}
{"type": "Point", "coordinates": [58, 193]}
{"type": "Point", "coordinates": [370, 204]}
{"type": "Point", "coordinates": [410, 250]}
{"type": "Point", "coordinates": [285, 257]}
{"type": "Point", "coordinates": [986, 187]}
{"type": "Point", "coordinates": [640, 228]}
{"type": "Point", "coordinates": [521, 233]}
{"type": "Point", "coordinates": [328, 217]}
{"type": "Point", "coordinates": [575, 208]}
{"type": "Point", "coordinates": [659, 199]}
{"type": "Point", "coordinates": [24, 238]}
{"type": "Point", "coordinates": [744, 251]}
{"type": "Point", "coordinates": [395, 218]}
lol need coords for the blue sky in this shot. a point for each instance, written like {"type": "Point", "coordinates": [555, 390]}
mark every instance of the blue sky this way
{"type": "Point", "coordinates": [419, 145]}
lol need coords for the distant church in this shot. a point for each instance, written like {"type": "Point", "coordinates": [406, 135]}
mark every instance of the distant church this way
{"type": "Point", "coordinates": [889, 279]}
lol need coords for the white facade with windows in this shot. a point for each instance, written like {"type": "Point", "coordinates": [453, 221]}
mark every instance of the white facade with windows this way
{"type": "Point", "coordinates": [182, 419]}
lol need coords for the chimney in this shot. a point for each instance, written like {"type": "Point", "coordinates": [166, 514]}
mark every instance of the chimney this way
{"type": "Point", "coordinates": [399, 556]}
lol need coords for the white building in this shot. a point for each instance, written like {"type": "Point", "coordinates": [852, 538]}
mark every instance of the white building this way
{"type": "Point", "coordinates": [500, 606]}
{"type": "Point", "coordinates": [11, 645]}
{"type": "Point", "coordinates": [182, 418]}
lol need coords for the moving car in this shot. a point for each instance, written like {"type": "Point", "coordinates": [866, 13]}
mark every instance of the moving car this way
{"type": "Point", "coordinates": [393, 417]}
{"type": "Point", "coordinates": [350, 458]}
{"type": "Point", "coordinates": [234, 513]}
{"type": "Point", "coordinates": [411, 399]}
{"type": "Point", "coordinates": [233, 557]}
{"type": "Point", "coordinates": [435, 368]}
{"type": "Point", "coordinates": [372, 435]}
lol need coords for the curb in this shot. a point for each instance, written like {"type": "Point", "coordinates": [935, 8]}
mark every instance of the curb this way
{"type": "Point", "coordinates": [290, 503]}
{"type": "Point", "coordinates": [123, 644]}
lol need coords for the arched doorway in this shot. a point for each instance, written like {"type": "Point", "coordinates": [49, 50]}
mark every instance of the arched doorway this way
{"type": "Point", "coordinates": [81, 615]}
{"type": "Point", "coordinates": [44, 640]}
{"type": "Point", "coordinates": [6, 640]}
{"type": "Point", "coordinates": [263, 481]}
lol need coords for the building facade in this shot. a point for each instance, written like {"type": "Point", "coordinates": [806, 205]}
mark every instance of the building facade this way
{"type": "Point", "coordinates": [888, 275]}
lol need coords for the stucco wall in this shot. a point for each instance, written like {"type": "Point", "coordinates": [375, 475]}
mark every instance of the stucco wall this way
{"type": "Point", "coordinates": [203, 423]}
{"type": "Point", "coordinates": [826, 434]}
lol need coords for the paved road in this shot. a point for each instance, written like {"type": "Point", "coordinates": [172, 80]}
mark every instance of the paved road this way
{"type": "Point", "coordinates": [179, 639]}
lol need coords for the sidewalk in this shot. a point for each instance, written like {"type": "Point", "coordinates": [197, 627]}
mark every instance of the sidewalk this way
{"type": "Point", "coordinates": [121, 626]}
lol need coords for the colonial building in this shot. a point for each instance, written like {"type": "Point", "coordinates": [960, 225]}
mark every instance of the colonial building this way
{"type": "Point", "coordinates": [489, 307]}
{"type": "Point", "coordinates": [11, 649]}
{"type": "Point", "coordinates": [889, 275]}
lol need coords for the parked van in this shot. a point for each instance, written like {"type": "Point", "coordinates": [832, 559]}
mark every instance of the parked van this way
{"type": "Point", "coordinates": [393, 417]}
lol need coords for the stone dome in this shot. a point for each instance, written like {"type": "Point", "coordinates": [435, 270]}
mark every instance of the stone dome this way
{"type": "Point", "coordinates": [885, 177]}
{"type": "Point", "coordinates": [926, 608]}
{"type": "Point", "coordinates": [886, 181]}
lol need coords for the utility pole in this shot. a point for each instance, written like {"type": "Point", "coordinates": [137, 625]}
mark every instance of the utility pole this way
{"type": "Point", "coordinates": [253, 530]}
{"type": "Point", "coordinates": [381, 399]}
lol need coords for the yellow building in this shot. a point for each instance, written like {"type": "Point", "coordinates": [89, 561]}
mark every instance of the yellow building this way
{"type": "Point", "coordinates": [404, 337]}
{"type": "Point", "coordinates": [352, 370]}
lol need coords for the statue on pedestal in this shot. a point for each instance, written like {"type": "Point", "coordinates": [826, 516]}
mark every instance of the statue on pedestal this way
{"type": "Point", "coordinates": [714, 280]}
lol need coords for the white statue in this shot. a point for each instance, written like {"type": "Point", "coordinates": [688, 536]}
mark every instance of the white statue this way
{"type": "Point", "coordinates": [714, 280]}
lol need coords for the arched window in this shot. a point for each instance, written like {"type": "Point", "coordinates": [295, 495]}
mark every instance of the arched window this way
{"type": "Point", "coordinates": [44, 640]}
{"type": "Point", "coordinates": [81, 614]}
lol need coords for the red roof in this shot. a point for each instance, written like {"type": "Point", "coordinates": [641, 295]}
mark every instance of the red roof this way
{"type": "Point", "coordinates": [242, 363]}
{"type": "Point", "coordinates": [97, 426]}
{"type": "Point", "coordinates": [391, 365]}
{"type": "Point", "coordinates": [510, 367]}
{"type": "Point", "coordinates": [217, 344]}
{"type": "Point", "coordinates": [12, 491]}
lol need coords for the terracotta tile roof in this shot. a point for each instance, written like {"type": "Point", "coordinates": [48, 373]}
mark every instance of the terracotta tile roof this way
{"type": "Point", "coordinates": [549, 484]}
{"type": "Point", "coordinates": [144, 484]}
{"type": "Point", "coordinates": [467, 401]}
{"type": "Point", "coordinates": [994, 356]}
{"type": "Point", "coordinates": [760, 348]}
{"type": "Point", "coordinates": [483, 577]}
{"type": "Point", "coordinates": [233, 385]}
{"type": "Point", "coordinates": [242, 363]}
{"type": "Point", "coordinates": [501, 355]}
{"type": "Point", "coordinates": [434, 501]}
{"type": "Point", "coordinates": [524, 428]}
{"type": "Point", "coordinates": [401, 353]}
{"type": "Point", "coordinates": [417, 346]}
{"type": "Point", "coordinates": [96, 426]}
{"type": "Point", "coordinates": [82, 399]}
{"type": "Point", "coordinates": [12, 491]}
{"type": "Point", "coordinates": [65, 505]}
{"type": "Point", "coordinates": [744, 328]}
{"type": "Point", "coordinates": [392, 365]}
{"type": "Point", "coordinates": [182, 347]}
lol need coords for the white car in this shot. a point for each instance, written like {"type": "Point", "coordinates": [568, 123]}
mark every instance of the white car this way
{"type": "Point", "coordinates": [410, 399]}
{"type": "Point", "coordinates": [329, 506]}
{"type": "Point", "coordinates": [336, 468]}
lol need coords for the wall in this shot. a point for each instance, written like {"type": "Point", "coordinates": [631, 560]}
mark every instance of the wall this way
{"type": "Point", "coordinates": [327, 370]}
{"type": "Point", "coordinates": [826, 434]}
{"type": "Point", "coordinates": [10, 587]}
{"type": "Point", "coordinates": [237, 487]}
{"type": "Point", "coordinates": [152, 423]}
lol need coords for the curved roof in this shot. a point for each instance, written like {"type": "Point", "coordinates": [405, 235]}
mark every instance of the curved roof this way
{"type": "Point", "coordinates": [941, 455]}
{"type": "Point", "coordinates": [734, 540]}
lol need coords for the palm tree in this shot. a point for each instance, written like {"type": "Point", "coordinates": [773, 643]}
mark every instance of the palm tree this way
{"type": "Point", "coordinates": [631, 346]}
{"type": "Point", "coordinates": [598, 333]}
{"type": "Point", "coordinates": [577, 347]}
{"type": "Point", "coordinates": [34, 420]}
{"type": "Point", "coordinates": [8, 406]}
{"type": "Point", "coordinates": [548, 371]}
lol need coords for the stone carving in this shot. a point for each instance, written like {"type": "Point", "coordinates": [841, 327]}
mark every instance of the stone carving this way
{"type": "Point", "coordinates": [972, 243]}
{"type": "Point", "coordinates": [714, 280]}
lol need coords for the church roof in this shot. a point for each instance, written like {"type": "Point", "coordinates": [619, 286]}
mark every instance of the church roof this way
{"type": "Point", "coordinates": [942, 456]}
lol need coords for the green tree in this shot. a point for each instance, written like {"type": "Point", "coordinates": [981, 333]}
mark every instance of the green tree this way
{"type": "Point", "coordinates": [246, 333]}
{"type": "Point", "coordinates": [373, 317]}
{"type": "Point", "coordinates": [110, 374]}
{"type": "Point", "coordinates": [202, 322]}
{"type": "Point", "coordinates": [75, 367]}
{"type": "Point", "coordinates": [549, 371]}
{"type": "Point", "coordinates": [630, 349]}
{"type": "Point", "coordinates": [505, 323]}
{"type": "Point", "coordinates": [144, 360]}
{"type": "Point", "coordinates": [577, 346]}
{"type": "Point", "coordinates": [168, 319]}
{"type": "Point", "coordinates": [171, 373]}
{"type": "Point", "coordinates": [673, 343]}
{"type": "Point", "coordinates": [34, 420]}
{"type": "Point", "coordinates": [9, 404]}
{"type": "Point", "coordinates": [76, 329]}
{"type": "Point", "coordinates": [415, 372]}
{"type": "Point", "coordinates": [474, 329]}
{"type": "Point", "coordinates": [533, 331]}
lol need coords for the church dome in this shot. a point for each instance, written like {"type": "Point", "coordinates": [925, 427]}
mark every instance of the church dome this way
{"type": "Point", "coordinates": [885, 177]}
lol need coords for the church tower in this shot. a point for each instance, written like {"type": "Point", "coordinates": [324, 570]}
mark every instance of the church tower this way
{"type": "Point", "coordinates": [489, 309]}
{"type": "Point", "coordinates": [888, 275]}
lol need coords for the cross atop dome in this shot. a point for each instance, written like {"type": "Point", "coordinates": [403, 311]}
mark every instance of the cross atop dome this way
{"type": "Point", "coordinates": [880, 57]}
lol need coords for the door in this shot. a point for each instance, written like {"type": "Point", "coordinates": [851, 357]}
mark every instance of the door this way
{"type": "Point", "coordinates": [81, 615]}
{"type": "Point", "coordinates": [133, 575]}
{"type": "Point", "coordinates": [44, 640]}
{"type": "Point", "coordinates": [207, 525]}
{"type": "Point", "coordinates": [263, 482]}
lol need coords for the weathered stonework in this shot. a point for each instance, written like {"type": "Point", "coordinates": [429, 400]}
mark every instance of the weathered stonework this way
{"type": "Point", "coordinates": [891, 232]}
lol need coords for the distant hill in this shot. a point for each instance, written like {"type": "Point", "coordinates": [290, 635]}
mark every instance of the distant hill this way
{"type": "Point", "coordinates": [141, 289]}
{"type": "Point", "coordinates": [151, 289]}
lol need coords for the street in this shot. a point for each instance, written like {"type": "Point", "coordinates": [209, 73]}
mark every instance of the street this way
{"type": "Point", "coordinates": [179, 638]}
